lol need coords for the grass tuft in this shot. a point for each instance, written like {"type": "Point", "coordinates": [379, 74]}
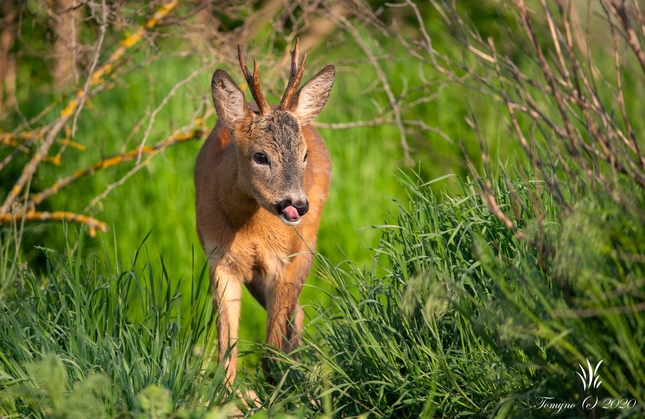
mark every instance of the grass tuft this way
{"type": "Point", "coordinates": [83, 313]}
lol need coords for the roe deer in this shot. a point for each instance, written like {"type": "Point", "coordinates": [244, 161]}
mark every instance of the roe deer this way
{"type": "Point", "coordinates": [257, 175]}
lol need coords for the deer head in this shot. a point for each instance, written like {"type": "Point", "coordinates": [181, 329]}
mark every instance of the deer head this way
{"type": "Point", "coordinates": [271, 150]}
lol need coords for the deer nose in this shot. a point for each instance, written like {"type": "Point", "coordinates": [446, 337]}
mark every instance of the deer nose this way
{"type": "Point", "coordinates": [301, 206]}
{"type": "Point", "coordinates": [302, 209]}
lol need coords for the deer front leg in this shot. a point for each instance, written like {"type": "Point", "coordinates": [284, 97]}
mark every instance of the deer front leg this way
{"type": "Point", "coordinates": [281, 302]}
{"type": "Point", "coordinates": [281, 306]}
{"type": "Point", "coordinates": [297, 273]}
{"type": "Point", "coordinates": [284, 314]}
{"type": "Point", "coordinates": [294, 330]}
{"type": "Point", "coordinates": [227, 302]}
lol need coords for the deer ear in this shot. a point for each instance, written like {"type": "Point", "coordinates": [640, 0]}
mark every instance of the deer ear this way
{"type": "Point", "coordinates": [228, 98]}
{"type": "Point", "coordinates": [310, 100]}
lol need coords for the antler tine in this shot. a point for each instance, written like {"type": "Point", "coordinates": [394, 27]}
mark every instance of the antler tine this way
{"type": "Point", "coordinates": [295, 76]}
{"type": "Point", "coordinates": [254, 83]}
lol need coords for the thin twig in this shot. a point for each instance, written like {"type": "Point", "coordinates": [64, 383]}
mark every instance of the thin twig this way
{"type": "Point", "coordinates": [180, 136]}
{"type": "Point", "coordinates": [116, 184]}
{"type": "Point", "coordinates": [620, 11]}
{"type": "Point", "coordinates": [384, 82]}
{"type": "Point", "coordinates": [163, 103]}
{"type": "Point", "coordinates": [95, 61]}
{"type": "Point", "coordinates": [382, 121]}
{"type": "Point", "coordinates": [71, 217]}
{"type": "Point", "coordinates": [31, 167]}
{"type": "Point", "coordinates": [488, 196]}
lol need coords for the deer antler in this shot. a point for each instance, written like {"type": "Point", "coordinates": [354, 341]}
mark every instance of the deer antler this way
{"type": "Point", "coordinates": [254, 83]}
{"type": "Point", "coordinates": [294, 77]}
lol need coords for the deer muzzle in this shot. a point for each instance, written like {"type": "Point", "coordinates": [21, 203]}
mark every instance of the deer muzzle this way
{"type": "Point", "coordinates": [291, 212]}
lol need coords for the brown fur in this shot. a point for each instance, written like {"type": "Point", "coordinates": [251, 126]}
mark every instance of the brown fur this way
{"type": "Point", "coordinates": [237, 221]}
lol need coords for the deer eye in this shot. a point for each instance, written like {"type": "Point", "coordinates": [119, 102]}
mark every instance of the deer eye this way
{"type": "Point", "coordinates": [260, 158]}
{"type": "Point", "coordinates": [306, 154]}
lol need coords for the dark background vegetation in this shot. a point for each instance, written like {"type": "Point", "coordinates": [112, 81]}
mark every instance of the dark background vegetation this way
{"type": "Point", "coordinates": [482, 240]}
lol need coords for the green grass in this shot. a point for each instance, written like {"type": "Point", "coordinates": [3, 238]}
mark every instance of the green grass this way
{"type": "Point", "coordinates": [82, 312]}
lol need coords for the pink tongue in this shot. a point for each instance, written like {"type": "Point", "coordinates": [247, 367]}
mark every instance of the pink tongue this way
{"type": "Point", "coordinates": [291, 213]}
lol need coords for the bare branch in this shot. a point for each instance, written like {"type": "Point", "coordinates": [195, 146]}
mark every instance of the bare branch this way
{"type": "Point", "coordinates": [92, 67]}
{"type": "Point", "coordinates": [619, 9]}
{"type": "Point", "coordinates": [71, 217]}
{"type": "Point", "coordinates": [65, 114]}
{"type": "Point", "coordinates": [178, 137]}
{"type": "Point", "coordinates": [163, 103]}
{"type": "Point", "coordinates": [381, 121]}
{"type": "Point", "coordinates": [346, 24]}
